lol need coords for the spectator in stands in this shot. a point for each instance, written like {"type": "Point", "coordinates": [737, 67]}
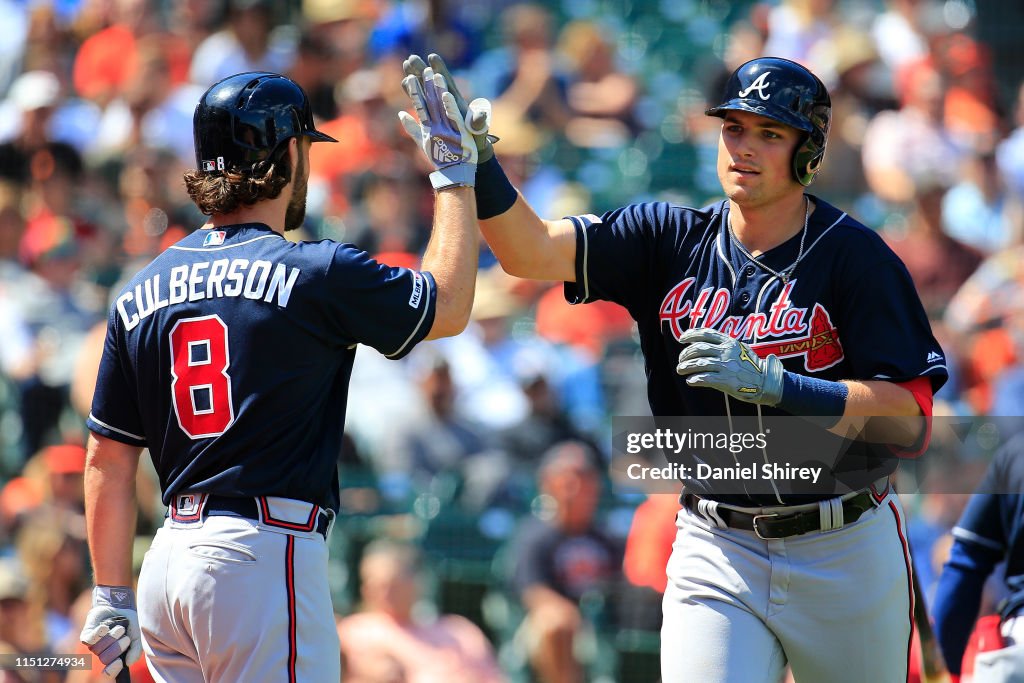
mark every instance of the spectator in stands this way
{"type": "Point", "coordinates": [384, 213]}
{"type": "Point", "coordinates": [545, 425]}
{"type": "Point", "coordinates": [33, 97]}
{"type": "Point", "coordinates": [422, 26]}
{"type": "Point", "coordinates": [108, 58]}
{"type": "Point", "coordinates": [971, 112]}
{"type": "Point", "coordinates": [979, 210]}
{"type": "Point", "coordinates": [904, 147]}
{"type": "Point", "coordinates": [987, 316]}
{"type": "Point", "coordinates": [248, 43]}
{"type": "Point", "coordinates": [20, 632]}
{"type": "Point", "coordinates": [561, 557]}
{"type": "Point", "coordinates": [898, 32]}
{"type": "Point", "coordinates": [938, 263]}
{"type": "Point", "coordinates": [52, 551]}
{"type": "Point", "coordinates": [388, 642]}
{"type": "Point", "coordinates": [861, 89]}
{"type": "Point", "coordinates": [439, 439]}
{"type": "Point", "coordinates": [147, 108]}
{"type": "Point", "coordinates": [601, 96]}
{"type": "Point", "coordinates": [367, 125]}
{"type": "Point", "coordinates": [525, 74]}
{"type": "Point", "coordinates": [44, 319]}
{"type": "Point", "coordinates": [800, 30]}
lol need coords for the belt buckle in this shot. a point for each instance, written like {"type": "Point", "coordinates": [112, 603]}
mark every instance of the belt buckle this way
{"type": "Point", "coordinates": [757, 531]}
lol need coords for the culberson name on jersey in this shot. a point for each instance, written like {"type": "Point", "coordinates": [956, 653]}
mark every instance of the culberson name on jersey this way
{"type": "Point", "coordinates": [237, 277]}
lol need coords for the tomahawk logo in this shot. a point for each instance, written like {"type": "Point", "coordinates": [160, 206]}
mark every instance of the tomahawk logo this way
{"type": "Point", "coordinates": [442, 154]}
{"type": "Point", "coordinates": [759, 85]}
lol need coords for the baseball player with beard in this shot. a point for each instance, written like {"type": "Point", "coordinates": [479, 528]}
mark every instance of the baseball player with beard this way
{"type": "Point", "coordinates": [771, 302]}
{"type": "Point", "coordinates": [229, 358]}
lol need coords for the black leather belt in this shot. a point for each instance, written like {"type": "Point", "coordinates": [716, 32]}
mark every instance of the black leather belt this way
{"type": "Point", "coordinates": [249, 508]}
{"type": "Point", "coordinates": [776, 525]}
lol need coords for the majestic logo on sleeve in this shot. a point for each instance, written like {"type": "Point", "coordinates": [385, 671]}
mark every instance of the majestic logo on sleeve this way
{"type": "Point", "coordinates": [783, 330]}
{"type": "Point", "coordinates": [759, 85]}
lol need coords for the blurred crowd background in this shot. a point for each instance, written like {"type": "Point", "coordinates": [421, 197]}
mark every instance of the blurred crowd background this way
{"type": "Point", "coordinates": [480, 538]}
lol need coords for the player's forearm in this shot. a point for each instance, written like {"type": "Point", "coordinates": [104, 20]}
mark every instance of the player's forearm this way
{"type": "Point", "coordinates": [110, 509]}
{"type": "Point", "coordinates": [519, 239]}
{"type": "Point", "coordinates": [451, 257]}
{"type": "Point", "coordinates": [957, 598]}
{"type": "Point", "coordinates": [881, 412]}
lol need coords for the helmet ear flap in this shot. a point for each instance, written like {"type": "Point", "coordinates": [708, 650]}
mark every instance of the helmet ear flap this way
{"type": "Point", "coordinates": [807, 160]}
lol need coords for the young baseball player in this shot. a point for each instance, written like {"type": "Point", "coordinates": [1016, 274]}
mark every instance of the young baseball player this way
{"type": "Point", "coordinates": [229, 357]}
{"type": "Point", "coordinates": [770, 302]}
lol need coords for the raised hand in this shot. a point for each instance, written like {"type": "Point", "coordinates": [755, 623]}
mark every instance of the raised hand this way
{"type": "Point", "coordinates": [476, 114]}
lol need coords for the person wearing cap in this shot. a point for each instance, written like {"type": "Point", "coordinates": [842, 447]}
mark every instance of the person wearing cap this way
{"type": "Point", "coordinates": [229, 358]}
{"type": "Point", "coordinates": [562, 557]}
{"type": "Point", "coordinates": [768, 304]}
{"type": "Point", "coordinates": [32, 97]}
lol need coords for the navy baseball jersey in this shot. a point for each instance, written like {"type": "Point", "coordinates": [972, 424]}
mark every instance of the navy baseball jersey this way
{"type": "Point", "coordinates": [229, 358]}
{"type": "Point", "coordinates": [848, 311]}
{"type": "Point", "coordinates": [990, 530]}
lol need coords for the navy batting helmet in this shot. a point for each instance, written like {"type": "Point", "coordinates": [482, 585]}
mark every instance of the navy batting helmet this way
{"type": "Point", "coordinates": [788, 93]}
{"type": "Point", "coordinates": [245, 119]}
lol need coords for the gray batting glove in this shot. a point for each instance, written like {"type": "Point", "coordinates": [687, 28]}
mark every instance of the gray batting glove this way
{"type": "Point", "coordinates": [716, 360]}
{"type": "Point", "coordinates": [476, 114]}
{"type": "Point", "coordinates": [440, 131]}
{"type": "Point", "coordinates": [105, 632]}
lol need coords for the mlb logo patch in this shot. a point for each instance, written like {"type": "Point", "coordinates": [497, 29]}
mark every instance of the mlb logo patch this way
{"type": "Point", "coordinates": [211, 165]}
{"type": "Point", "coordinates": [215, 238]}
{"type": "Point", "coordinates": [187, 504]}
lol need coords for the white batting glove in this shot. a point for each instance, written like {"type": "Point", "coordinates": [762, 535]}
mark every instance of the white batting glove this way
{"type": "Point", "coordinates": [716, 360]}
{"type": "Point", "coordinates": [112, 628]}
{"type": "Point", "coordinates": [441, 131]}
{"type": "Point", "coordinates": [476, 114]}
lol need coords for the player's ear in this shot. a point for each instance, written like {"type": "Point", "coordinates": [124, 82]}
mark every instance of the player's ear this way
{"type": "Point", "coordinates": [293, 154]}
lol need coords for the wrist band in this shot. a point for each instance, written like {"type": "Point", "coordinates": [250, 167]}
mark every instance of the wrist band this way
{"type": "Point", "coordinates": [803, 395]}
{"type": "Point", "coordinates": [121, 597]}
{"type": "Point", "coordinates": [458, 175]}
{"type": "Point", "coordinates": [494, 193]}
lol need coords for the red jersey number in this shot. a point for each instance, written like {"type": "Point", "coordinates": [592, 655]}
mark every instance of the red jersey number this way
{"type": "Point", "coordinates": [201, 386]}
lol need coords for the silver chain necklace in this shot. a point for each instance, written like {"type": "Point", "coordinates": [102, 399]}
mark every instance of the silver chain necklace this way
{"type": "Point", "coordinates": [785, 273]}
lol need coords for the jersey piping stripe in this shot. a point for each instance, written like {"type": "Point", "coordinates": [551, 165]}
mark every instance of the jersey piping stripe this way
{"type": "Point", "coordinates": [910, 578]}
{"type": "Point", "coordinates": [962, 534]}
{"type": "Point", "coordinates": [416, 329]}
{"type": "Point", "coordinates": [103, 424]}
{"type": "Point", "coordinates": [289, 574]}
{"type": "Point", "coordinates": [822, 235]}
{"type": "Point", "coordinates": [721, 252]}
{"type": "Point", "coordinates": [227, 246]}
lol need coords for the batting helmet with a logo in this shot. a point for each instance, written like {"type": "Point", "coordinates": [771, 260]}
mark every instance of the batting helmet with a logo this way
{"type": "Point", "coordinates": [244, 120]}
{"type": "Point", "coordinates": [788, 93]}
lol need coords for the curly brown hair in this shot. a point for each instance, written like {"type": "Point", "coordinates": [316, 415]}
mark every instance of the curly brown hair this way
{"type": "Point", "coordinates": [225, 193]}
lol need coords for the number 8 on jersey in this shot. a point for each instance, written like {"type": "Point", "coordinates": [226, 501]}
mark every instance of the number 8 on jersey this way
{"type": "Point", "coordinates": [201, 386]}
